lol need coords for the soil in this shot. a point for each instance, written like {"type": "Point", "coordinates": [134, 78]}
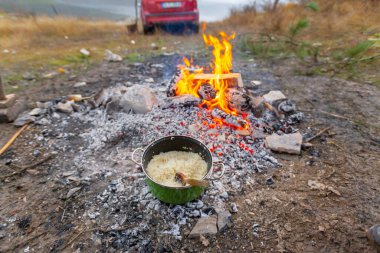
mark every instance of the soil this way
{"type": "Point", "coordinates": [286, 216]}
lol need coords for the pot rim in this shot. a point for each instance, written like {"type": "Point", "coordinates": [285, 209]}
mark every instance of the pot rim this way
{"type": "Point", "coordinates": [176, 136]}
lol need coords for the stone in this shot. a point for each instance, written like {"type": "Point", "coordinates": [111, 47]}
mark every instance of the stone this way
{"type": "Point", "coordinates": [10, 100]}
{"type": "Point", "coordinates": [64, 107]}
{"type": "Point", "coordinates": [79, 84]}
{"type": "Point", "coordinates": [84, 52]}
{"type": "Point", "coordinates": [234, 208]}
{"type": "Point", "coordinates": [205, 226]}
{"type": "Point", "coordinates": [287, 143]}
{"type": "Point", "coordinates": [273, 96]}
{"type": "Point", "coordinates": [111, 57]}
{"type": "Point", "coordinates": [23, 119]}
{"type": "Point", "coordinates": [138, 98]}
{"type": "Point", "coordinates": [224, 219]}
{"type": "Point", "coordinates": [11, 113]}
{"type": "Point", "coordinates": [36, 112]}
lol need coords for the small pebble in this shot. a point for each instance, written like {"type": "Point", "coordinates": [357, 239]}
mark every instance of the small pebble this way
{"type": "Point", "coordinates": [234, 208]}
{"type": "Point", "coordinates": [269, 181]}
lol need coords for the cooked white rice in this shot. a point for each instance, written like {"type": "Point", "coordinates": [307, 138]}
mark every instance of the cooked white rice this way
{"type": "Point", "coordinates": [163, 167]}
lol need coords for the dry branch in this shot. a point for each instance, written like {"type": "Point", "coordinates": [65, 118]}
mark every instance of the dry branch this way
{"type": "Point", "coordinates": [318, 134]}
{"type": "Point", "coordinates": [12, 139]}
{"type": "Point", "coordinates": [236, 76]}
{"type": "Point", "coordinates": [24, 168]}
{"type": "Point", "coordinates": [2, 93]}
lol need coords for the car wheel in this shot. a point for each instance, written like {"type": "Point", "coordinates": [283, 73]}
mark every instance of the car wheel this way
{"type": "Point", "coordinates": [196, 28]}
{"type": "Point", "coordinates": [149, 29]}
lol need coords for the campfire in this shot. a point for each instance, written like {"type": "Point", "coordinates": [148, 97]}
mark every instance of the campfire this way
{"type": "Point", "coordinates": [221, 90]}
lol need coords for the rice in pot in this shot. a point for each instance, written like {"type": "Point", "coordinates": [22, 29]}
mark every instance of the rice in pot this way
{"type": "Point", "coordinates": [163, 167]}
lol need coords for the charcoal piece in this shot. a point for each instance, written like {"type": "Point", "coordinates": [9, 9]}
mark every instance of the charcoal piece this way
{"type": "Point", "coordinates": [207, 92]}
{"type": "Point", "coordinates": [234, 121]}
{"type": "Point", "coordinates": [239, 100]}
{"type": "Point", "coordinates": [171, 87]}
{"type": "Point", "coordinates": [295, 118]}
{"type": "Point", "coordinates": [181, 101]}
{"type": "Point", "coordinates": [287, 106]}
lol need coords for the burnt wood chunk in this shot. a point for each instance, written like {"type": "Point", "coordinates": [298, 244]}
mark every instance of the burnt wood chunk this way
{"type": "Point", "coordinates": [207, 92]}
{"type": "Point", "coordinates": [239, 100]}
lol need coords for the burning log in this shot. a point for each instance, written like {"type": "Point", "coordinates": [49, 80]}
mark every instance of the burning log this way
{"type": "Point", "coordinates": [231, 120]}
{"type": "Point", "coordinates": [171, 87]}
{"type": "Point", "coordinates": [207, 92]}
{"type": "Point", "coordinates": [239, 100]}
{"type": "Point", "coordinates": [234, 79]}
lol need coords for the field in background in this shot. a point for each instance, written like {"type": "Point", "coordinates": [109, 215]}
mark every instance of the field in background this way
{"type": "Point", "coordinates": [38, 45]}
{"type": "Point", "coordinates": [339, 36]}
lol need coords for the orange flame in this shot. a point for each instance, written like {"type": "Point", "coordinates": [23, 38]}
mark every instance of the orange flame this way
{"type": "Point", "coordinates": [222, 64]}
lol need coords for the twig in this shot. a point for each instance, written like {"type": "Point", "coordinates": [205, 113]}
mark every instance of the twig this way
{"type": "Point", "coordinates": [24, 168]}
{"type": "Point", "coordinates": [318, 134]}
{"type": "Point", "coordinates": [328, 113]}
{"type": "Point", "coordinates": [74, 238]}
{"type": "Point", "coordinates": [12, 139]}
{"type": "Point", "coordinates": [92, 230]}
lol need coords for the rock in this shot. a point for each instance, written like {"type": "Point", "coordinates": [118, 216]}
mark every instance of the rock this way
{"type": "Point", "coordinates": [11, 113]}
{"type": "Point", "coordinates": [287, 143]}
{"type": "Point", "coordinates": [28, 76]}
{"type": "Point", "coordinates": [36, 153]}
{"type": "Point", "coordinates": [224, 219]}
{"type": "Point", "coordinates": [79, 84]}
{"type": "Point", "coordinates": [269, 181]}
{"type": "Point", "coordinates": [273, 96]}
{"type": "Point", "coordinates": [149, 80]}
{"type": "Point", "coordinates": [139, 98]}
{"type": "Point", "coordinates": [248, 201]}
{"type": "Point", "coordinates": [44, 105]}
{"type": "Point", "coordinates": [204, 241]}
{"type": "Point", "coordinates": [205, 226]}
{"type": "Point", "coordinates": [194, 128]}
{"type": "Point", "coordinates": [315, 185]}
{"type": "Point", "coordinates": [224, 195]}
{"type": "Point", "coordinates": [85, 52]}
{"type": "Point", "coordinates": [287, 106]}
{"type": "Point", "coordinates": [154, 46]}
{"type": "Point", "coordinates": [111, 57]}
{"type": "Point", "coordinates": [234, 208]}
{"type": "Point", "coordinates": [258, 134]}
{"type": "Point", "coordinates": [10, 100]}
{"type": "Point", "coordinates": [65, 107]}
{"type": "Point", "coordinates": [23, 119]}
{"type": "Point", "coordinates": [255, 83]}
{"type": "Point", "coordinates": [36, 112]}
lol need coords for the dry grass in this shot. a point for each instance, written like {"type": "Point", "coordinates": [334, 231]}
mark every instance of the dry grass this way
{"type": "Point", "coordinates": [40, 43]}
{"type": "Point", "coordinates": [344, 21]}
{"type": "Point", "coordinates": [339, 29]}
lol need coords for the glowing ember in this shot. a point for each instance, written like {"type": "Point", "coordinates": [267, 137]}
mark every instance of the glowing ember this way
{"type": "Point", "coordinates": [222, 64]}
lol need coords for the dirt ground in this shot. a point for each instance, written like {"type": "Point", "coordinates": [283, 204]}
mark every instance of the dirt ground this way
{"type": "Point", "coordinates": [290, 215]}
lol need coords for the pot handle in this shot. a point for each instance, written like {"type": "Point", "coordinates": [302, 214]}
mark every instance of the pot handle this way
{"type": "Point", "coordinates": [212, 171]}
{"type": "Point", "coordinates": [133, 155]}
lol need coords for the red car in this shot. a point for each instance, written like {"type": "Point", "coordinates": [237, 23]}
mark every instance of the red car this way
{"type": "Point", "coordinates": [168, 12]}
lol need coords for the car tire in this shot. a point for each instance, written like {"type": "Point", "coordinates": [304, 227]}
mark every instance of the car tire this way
{"type": "Point", "coordinates": [196, 28]}
{"type": "Point", "coordinates": [149, 29]}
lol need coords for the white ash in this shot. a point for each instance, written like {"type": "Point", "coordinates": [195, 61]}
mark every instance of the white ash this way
{"type": "Point", "coordinates": [109, 141]}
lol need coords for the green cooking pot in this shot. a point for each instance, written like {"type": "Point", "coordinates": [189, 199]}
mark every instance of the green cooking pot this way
{"type": "Point", "coordinates": [183, 194]}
